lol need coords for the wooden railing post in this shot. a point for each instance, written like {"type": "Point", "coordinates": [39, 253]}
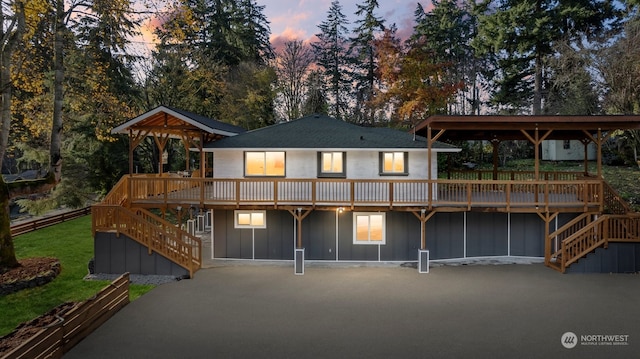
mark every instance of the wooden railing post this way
{"type": "Point", "coordinates": [238, 193]}
{"type": "Point", "coordinates": [275, 193]}
{"type": "Point", "coordinates": [353, 193]}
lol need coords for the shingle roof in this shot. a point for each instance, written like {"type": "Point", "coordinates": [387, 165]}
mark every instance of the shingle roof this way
{"type": "Point", "coordinates": [321, 131]}
{"type": "Point", "coordinates": [177, 117]}
{"type": "Point", "coordinates": [209, 122]}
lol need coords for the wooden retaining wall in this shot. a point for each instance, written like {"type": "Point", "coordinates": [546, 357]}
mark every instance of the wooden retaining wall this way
{"type": "Point", "coordinates": [74, 325]}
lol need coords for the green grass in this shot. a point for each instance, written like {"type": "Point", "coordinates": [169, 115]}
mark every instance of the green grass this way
{"type": "Point", "coordinates": [71, 242]}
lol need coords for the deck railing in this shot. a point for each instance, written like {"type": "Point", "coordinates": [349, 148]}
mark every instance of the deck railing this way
{"type": "Point", "coordinates": [351, 192]}
{"type": "Point", "coordinates": [512, 175]}
{"type": "Point", "coordinates": [613, 203]}
{"type": "Point", "coordinates": [119, 193]}
{"type": "Point", "coordinates": [595, 234]}
{"type": "Point", "coordinates": [151, 231]}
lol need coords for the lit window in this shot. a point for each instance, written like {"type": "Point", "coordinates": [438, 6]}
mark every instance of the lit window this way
{"type": "Point", "coordinates": [250, 219]}
{"type": "Point", "coordinates": [331, 164]}
{"type": "Point", "coordinates": [393, 163]}
{"type": "Point", "coordinates": [369, 228]}
{"type": "Point", "coordinates": [264, 164]}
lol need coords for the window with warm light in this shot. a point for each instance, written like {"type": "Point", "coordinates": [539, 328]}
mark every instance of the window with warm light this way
{"type": "Point", "coordinates": [393, 163]}
{"type": "Point", "coordinates": [250, 219]}
{"type": "Point", "coordinates": [264, 164]}
{"type": "Point", "coordinates": [369, 228]}
{"type": "Point", "coordinates": [331, 164]}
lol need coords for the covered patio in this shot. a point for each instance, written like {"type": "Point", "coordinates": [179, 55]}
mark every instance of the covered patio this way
{"type": "Point", "coordinates": [535, 129]}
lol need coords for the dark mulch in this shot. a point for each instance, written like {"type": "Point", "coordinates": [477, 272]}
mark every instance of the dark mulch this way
{"type": "Point", "coordinates": [32, 272]}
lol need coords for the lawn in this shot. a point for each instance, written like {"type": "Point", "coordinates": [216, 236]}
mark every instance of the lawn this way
{"type": "Point", "coordinates": [72, 243]}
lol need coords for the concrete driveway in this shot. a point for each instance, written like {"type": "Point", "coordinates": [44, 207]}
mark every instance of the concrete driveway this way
{"type": "Point", "coordinates": [480, 311]}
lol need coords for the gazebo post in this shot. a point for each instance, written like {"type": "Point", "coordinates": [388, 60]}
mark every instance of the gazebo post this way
{"type": "Point", "coordinates": [537, 154]}
{"type": "Point", "coordinates": [130, 152]}
{"type": "Point", "coordinates": [495, 144]}
{"type": "Point", "coordinates": [429, 145]}
{"type": "Point", "coordinates": [585, 142]}
{"type": "Point", "coordinates": [599, 155]}
{"type": "Point", "coordinates": [203, 162]}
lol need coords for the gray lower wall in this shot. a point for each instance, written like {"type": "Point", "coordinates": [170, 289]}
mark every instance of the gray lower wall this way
{"type": "Point", "coordinates": [617, 258]}
{"type": "Point", "coordinates": [448, 235]}
{"type": "Point", "coordinates": [120, 254]}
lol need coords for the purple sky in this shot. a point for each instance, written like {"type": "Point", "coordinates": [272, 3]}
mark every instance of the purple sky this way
{"type": "Point", "coordinates": [299, 19]}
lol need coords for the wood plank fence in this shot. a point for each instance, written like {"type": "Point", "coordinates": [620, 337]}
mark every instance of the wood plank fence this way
{"type": "Point", "coordinates": [25, 227]}
{"type": "Point", "coordinates": [74, 325]}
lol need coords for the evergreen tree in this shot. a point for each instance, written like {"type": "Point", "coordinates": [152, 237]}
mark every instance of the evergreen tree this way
{"type": "Point", "coordinates": [331, 52]}
{"type": "Point", "coordinates": [362, 50]}
{"type": "Point", "coordinates": [447, 30]}
{"type": "Point", "coordinates": [522, 34]}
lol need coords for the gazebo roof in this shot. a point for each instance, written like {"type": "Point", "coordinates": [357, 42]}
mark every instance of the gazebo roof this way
{"type": "Point", "coordinates": [512, 127]}
{"type": "Point", "coordinates": [177, 123]}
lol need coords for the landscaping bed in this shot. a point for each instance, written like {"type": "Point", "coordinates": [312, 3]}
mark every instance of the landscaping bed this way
{"type": "Point", "coordinates": [32, 272]}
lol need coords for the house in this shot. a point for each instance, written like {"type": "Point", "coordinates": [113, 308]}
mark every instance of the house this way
{"type": "Point", "coordinates": [321, 189]}
{"type": "Point", "coordinates": [568, 150]}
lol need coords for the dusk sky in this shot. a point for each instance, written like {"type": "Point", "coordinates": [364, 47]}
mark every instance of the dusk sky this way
{"type": "Point", "coordinates": [299, 19]}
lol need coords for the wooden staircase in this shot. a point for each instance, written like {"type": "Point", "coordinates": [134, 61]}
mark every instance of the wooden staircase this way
{"type": "Point", "coordinates": [144, 227]}
{"type": "Point", "coordinates": [590, 231]}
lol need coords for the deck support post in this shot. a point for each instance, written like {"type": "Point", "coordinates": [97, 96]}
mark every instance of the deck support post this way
{"type": "Point", "coordinates": [423, 216]}
{"type": "Point", "coordinates": [547, 218]}
{"type": "Point", "coordinates": [299, 215]}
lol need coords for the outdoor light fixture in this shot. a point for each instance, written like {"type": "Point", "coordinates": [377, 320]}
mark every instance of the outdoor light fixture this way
{"type": "Point", "coordinates": [340, 209]}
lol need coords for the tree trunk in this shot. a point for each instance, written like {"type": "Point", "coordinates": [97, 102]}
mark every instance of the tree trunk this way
{"type": "Point", "coordinates": [56, 128]}
{"type": "Point", "coordinates": [537, 89]}
{"type": "Point", "coordinates": [7, 252]}
{"type": "Point", "coordinates": [11, 34]}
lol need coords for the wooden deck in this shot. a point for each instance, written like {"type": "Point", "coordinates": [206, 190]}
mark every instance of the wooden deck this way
{"type": "Point", "coordinates": [574, 195]}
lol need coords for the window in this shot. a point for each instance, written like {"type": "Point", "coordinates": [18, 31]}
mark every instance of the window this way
{"type": "Point", "coordinates": [369, 228]}
{"type": "Point", "coordinates": [566, 144]}
{"type": "Point", "coordinates": [250, 219]}
{"type": "Point", "coordinates": [264, 164]}
{"type": "Point", "coordinates": [331, 164]}
{"type": "Point", "coordinates": [393, 163]}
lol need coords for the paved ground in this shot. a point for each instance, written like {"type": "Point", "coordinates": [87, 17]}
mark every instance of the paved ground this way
{"type": "Point", "coordinates": [480, 311]}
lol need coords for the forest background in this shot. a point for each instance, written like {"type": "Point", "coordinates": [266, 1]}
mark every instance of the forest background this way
{"type": "Point", "coordinates": [70, 72]}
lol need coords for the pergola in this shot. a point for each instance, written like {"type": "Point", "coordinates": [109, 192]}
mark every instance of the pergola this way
{"type": "Point", "coordinates": [164, 123]}
{"type": "Point", "coordinates": [534, 129]}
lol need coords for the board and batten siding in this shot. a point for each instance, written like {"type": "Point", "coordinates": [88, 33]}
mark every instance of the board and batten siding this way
{"type": "Point", "coordinates": [303, 164]}
{"type": "Point", "coordinates": [448, 236]}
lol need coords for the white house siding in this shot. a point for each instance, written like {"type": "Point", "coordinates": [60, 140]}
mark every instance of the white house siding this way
{"type": "Point", "coordinates": [303, 164]}
{"type": "Point", "coordinates": [553, 150]}
{"type": "Point", "coordinates": [228, 164]}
